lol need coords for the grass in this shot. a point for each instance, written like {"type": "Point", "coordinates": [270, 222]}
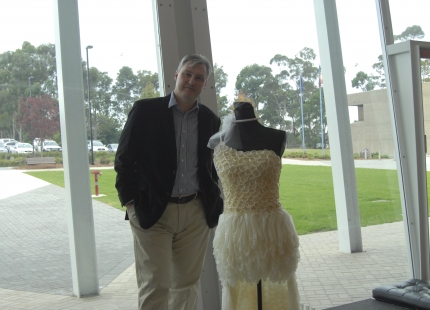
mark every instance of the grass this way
{"type": "Point", "coordinates": [106, 184]}
{"type": "Point", "coordinates": [306, 192]}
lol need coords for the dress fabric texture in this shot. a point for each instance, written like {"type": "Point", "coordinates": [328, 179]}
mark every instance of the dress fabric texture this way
{"type": "Point", "coordinates": [255, 238]}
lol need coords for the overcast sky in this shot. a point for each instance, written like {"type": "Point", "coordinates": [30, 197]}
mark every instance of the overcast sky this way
{"type": "Point", "coordinates": [243, 32]}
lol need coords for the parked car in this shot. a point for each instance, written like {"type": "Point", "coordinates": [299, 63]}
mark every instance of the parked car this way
{"type": "Point", "coordinates": [10, 144]}
{"type": "Point", "coordinates": [111, 148]}
{"type": "Point", "coordinates": [6, 140]}
{"type": "Point", "coordinates": [3, 148]}
{"type": "Point", "coordinates": [97, 146]}
{"type": "Point", "coordinates": [49, 145]}
{"type": "Point", "coordinates": [21, 148]}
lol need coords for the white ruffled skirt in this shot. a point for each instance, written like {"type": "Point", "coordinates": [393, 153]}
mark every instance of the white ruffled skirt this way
{"type": "Point", "coordinates": [250, 247]}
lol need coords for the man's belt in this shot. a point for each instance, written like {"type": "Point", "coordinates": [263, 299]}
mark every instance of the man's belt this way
{"type": "Point", "coordinates": [183, 199]}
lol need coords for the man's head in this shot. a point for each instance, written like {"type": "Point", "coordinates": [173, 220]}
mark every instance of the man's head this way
{"type": "Point", "coordinates": [194, 59]}
{"type": "Point", "coordinates": [191, 78]}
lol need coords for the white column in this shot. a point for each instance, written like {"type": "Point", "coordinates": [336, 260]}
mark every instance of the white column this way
{"type": "Point", "coordinates": [181, 28]}
{"type": "Point", "coordinates": [404, 88]}
{"type": "Point", "coordinates": [342, 157]}
{"type": "Point", "coordinates": [75, 153]}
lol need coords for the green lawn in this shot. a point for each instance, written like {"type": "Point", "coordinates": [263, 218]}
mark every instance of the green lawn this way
{"type": "Point", "coordinates": [306, 192]}
{"type": "Point", "coordinates": [106, 184]}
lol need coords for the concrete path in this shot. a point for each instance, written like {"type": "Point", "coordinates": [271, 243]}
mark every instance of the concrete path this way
{"type": "Point", "coordinates": [35, 259]}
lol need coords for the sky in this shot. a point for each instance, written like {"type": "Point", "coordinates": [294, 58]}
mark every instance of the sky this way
{"type": "Point", "coordinates": [243, 32]}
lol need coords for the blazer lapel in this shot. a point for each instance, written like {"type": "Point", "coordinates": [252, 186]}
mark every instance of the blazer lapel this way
{"type": "Point", "coordinates": [168, 128]}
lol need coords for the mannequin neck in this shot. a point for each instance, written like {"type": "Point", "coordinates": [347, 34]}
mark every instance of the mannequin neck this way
{"type": "Point", "coordinates": [243, 110]}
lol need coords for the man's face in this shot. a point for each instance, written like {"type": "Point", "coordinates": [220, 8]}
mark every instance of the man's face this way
{"type": "Point", "coordinates": [190, 82]}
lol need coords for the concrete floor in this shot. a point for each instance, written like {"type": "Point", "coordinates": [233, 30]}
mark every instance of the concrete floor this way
{"type": "Point", "coordinates": [35, 262]}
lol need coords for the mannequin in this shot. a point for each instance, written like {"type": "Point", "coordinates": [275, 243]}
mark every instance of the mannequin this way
{"type": "Point", "coordinates": [255, 136]}
{"type": "Point", "coordinates": [256, 246]}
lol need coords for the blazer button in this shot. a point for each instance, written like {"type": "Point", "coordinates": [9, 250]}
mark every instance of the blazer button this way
{"type": "Point", "coordinates": [168, 194]}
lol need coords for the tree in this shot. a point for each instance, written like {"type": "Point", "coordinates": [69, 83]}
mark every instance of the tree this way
{"type": "Point", "coordinates": [100, 92]}
{"type": "Point", "coordinates": [130, 87]}
{"type": "Point", "coordinates": [149, 92]}
{"type": "Point", "coordinates": [251, 81]}
{"type": "Point", "coordinates": [39, 117]}
{"type": "Point", "coordinates": [144, 78]}
{"type": "Point", "coordinates": [125, 92]}
{"type": "Point", "coordinates": [221, 79]}
{"type": "Point", "coordinates": [364, 82]}
{"type": "Point", "coordinates": [425, 70]}
{"type": "Point", "coordinates": [109, 129]}
{"type": "Point", "coordinates": [242, 97]}
{"type": "Point", "coordinates": [16, 68]}
{"type": "Point", "coordinates": [379, 79]}
{"type": "Point", "coordinates": [284, 101]}
{"type": "Point", "coordinates": [410, 33]}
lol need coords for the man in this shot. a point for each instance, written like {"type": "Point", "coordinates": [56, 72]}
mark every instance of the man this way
{"type": "Point", "coordinates": [168, 183]}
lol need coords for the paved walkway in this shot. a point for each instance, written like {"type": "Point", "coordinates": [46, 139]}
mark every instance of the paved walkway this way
{"type": "Point", "coordinates": [35, 260]}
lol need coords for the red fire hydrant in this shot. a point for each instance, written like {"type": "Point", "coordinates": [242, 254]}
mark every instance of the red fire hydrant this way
{"type": "Point", "coordinates": [96, 180]}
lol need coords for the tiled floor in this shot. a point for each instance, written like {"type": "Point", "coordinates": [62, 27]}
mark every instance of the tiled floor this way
{"type": "Point", "coordinates": [35, 274]}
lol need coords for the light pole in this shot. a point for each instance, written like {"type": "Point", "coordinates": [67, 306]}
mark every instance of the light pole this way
{"type": "Point", "coordinates": [31, 123]}
{"type": "Point", "coordinates": [89, 106]}
{"type": "Point", "coordinates": [29, 83]}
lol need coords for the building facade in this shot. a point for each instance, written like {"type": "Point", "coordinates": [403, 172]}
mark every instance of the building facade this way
{"type": "Point", "coordinates": [373, 130]}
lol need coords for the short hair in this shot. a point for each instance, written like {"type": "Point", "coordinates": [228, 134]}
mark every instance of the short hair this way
{"type": "Point", "coordinates": [196, 59]}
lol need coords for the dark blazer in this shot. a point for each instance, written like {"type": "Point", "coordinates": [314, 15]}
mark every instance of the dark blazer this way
{"type": "Point", "coordinates": [146, 161]}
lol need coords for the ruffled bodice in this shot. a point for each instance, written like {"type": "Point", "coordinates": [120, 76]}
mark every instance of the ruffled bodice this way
{"type": "Point", "coordinates": [255, 238]}
{"type": "Point", "coordinates": [250, 180]}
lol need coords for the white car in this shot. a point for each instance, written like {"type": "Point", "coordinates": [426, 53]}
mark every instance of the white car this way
{"type": "Point", "coordinates": [3, 148]}
{"type": "Point", "coordinates": [6, 140]}
{"type": "Point", "coordinates": [21, 148]}
{"type": "Point", "coordinates": [111, 148]}
{"type": "Point", "coordinates": [50, 145]}
{"type": "Point", "coordinates": [97, 146]}
{"type": "Point", "coordinates": [9, 145]}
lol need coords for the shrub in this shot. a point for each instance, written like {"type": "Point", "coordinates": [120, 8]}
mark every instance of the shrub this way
{"type": "Point", "coordinates": [104, 160]}
{"type": "Point", "coordinates": [12, 161]}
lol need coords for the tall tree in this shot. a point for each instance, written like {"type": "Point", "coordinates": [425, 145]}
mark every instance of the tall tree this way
{"type": "Point", "coordinates": [149, 91]}
{"type": "Point", "coordinates": [364, 81]}
{"type": "Point", "coordinates": [20, 70]}
{"type": "Point", "coordinates": [251, 80]}
{"type": "Point", "coordinates": [39, 117]}
{"type": "Point", "coordinates": [221, 79]}
{"type": "Point", "coordinates": [367, 82]}
{"type": "Point", "coordinates": [410, 33]}
{"type": "Point", "coordinates": [144, 78]}
{"type": "Point", "coordinates": [125, 92]}
{"type": "Point", "coordinates": [129, 87]}
{"type": "Point", "coordinates": [425, 70]}
{"type": "Point", "coordinates": [285, 101]}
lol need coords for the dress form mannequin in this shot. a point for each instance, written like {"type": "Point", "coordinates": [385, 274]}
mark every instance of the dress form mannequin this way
{"type": "Point", "coordinates": [256, 246]}
{"type": "Point", "coordinates": [255, 136]}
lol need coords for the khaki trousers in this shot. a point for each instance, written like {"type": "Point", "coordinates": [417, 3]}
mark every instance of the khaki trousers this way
{"type": "Point", "coordinates": [169, 257]}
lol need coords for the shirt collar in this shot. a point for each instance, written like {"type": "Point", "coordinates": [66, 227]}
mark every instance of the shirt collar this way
{"type": "Point", "coordinates": [173, 102]}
